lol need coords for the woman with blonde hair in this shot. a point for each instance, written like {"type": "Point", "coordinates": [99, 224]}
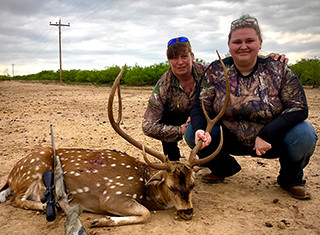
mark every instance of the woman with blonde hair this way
{"type": "Point", "coordinates": [266, 116]}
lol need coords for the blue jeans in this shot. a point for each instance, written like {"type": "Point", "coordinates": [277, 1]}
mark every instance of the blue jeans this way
{"type": "Point", "coordinates": [294, 150]}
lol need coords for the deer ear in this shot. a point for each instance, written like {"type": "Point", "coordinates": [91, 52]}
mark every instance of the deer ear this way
{"type": "Point", "coordinates": [157, 178]}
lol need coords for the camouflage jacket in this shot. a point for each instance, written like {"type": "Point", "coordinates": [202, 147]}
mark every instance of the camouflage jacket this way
{"type": "Point", "coordinates": [265, 103]}
{"type": "Point", "coordinates": [169, 106]}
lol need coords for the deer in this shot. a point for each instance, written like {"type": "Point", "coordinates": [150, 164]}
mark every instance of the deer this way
{"type": "Point", "coordinates": [110, 181]}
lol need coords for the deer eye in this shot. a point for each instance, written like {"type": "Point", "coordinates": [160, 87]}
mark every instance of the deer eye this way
{"type": "Point", "coordinates": [172, 189]}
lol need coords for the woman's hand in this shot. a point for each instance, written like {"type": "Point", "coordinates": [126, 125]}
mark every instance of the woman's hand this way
{"type": "Point", "coordinates": [261, 146]}
{"type": "Point", "coordinates": [183, 127]}
{"type": "Point", "coordinates": [282, 57]}
{"type": "Point", "coordinates": [204, 136]}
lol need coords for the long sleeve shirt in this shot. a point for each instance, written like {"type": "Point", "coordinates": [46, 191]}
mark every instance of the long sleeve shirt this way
{"type": "Point", "coordinates": [169, 106]}
{"type": "Point", "coordinates": [266, 103]}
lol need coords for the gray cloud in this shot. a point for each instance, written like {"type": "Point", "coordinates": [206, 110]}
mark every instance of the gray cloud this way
{"type": "Point", "coordinates": [114, 32]}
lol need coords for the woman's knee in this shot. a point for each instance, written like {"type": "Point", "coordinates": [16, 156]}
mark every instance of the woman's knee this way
{"type": "Point", "coordinates": [189, 136]}
{"type": "Point", "coordinates": [301, 140]}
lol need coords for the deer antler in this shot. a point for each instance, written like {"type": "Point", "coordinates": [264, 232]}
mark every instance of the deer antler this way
{"type": "Point", "coordinates": [116, 126]}
{"type": "Point", "coordinates": [210, 124]}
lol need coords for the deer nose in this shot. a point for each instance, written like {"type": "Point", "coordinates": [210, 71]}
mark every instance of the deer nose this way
{"type": "Point", "coordinates": [186, 214]}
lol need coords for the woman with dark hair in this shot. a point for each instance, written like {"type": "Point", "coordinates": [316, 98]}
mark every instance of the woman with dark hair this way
{"type": "Point", "coordinates": [169, 106]}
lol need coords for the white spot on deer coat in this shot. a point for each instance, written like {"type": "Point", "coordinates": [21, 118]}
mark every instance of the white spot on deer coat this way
{"type": "Point", "coordinates": [32, 160]}
{"type": "Point", "coordinates": [118, 192]}
{"type": "Point", "coordinates": [86, 189]}
{"type": "Point", "coordinates": [130, 178]}
{"type": "Point", "coordinates": [42, 152]}
{"type": "Point", "coordinates": [113, 165]}
{"type": "Point", "coordinates": [128, 166]}
{"type": "Point", "coordinates": [37, 176]}
{"type": "Point", "coordinates": [80, 190]}
{"type": "Point", "coordinates": [98, 184]}
{"type": "Point", "coordinates": [77, 174]}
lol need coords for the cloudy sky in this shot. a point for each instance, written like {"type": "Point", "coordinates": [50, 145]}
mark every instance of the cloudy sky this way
{"type": "Point", "coordinates": [104, 33]}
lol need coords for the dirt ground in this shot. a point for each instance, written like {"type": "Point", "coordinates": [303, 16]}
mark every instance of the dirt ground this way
{"type": "Point", "coordinates": [250, 202]}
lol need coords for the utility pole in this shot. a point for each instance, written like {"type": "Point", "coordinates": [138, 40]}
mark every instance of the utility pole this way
{"type": "Point", "coordinates": [56, 24]}
{"type": "Point", "coordinates": [12, 70]}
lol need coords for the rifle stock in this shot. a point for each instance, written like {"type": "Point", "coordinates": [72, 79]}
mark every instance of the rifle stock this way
{"type": "Point", "coordinates": [72, 224]}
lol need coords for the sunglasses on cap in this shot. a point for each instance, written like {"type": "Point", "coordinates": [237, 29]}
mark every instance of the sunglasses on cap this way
{"type": "Point", "coordinates": [243, 22]}
{"type": "Point", "coordinates": [179, 39]}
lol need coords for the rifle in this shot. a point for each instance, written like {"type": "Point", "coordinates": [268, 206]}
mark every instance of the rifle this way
{"type": "Point", "coordinates": [72, 225]}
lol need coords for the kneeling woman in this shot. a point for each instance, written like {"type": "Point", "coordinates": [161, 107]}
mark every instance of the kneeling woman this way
{"type": "Point", "coordinates": [266, 116]}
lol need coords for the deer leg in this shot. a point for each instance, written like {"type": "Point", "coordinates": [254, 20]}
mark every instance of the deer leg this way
{"type": "Point", "coordinates": [129, 211]}
{"type": "Point", "coordinates": [30, 199]}
{"type": "Point", "coordinates": [20, 202]}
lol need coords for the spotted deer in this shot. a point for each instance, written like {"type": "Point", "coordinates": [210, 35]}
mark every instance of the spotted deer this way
{"type": "Point", "coordinates": [110, 181]}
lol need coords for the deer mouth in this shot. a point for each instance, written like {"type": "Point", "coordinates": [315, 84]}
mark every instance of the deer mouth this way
{"type": "Point", "coordinates": [186, 214]}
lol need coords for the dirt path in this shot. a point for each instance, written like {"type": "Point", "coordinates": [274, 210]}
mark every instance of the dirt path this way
{"type": "Point", "coordinates": [250, 202]}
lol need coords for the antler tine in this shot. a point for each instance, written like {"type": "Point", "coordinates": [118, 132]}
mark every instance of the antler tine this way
{"type": "Point", "coordinates": [210, 124]}
{"type": "Point", "coordinates": [165, 166]}
{"type": "Point", "coordinates": [116, 125]}
{"type": "Point", "coordinates": [120, 103]}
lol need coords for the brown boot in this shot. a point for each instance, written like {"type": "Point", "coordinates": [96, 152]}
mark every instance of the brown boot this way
{"type": "Point", "coordinates": [299, 192]}
{"type": "Point", "coordinates": [212, 179]}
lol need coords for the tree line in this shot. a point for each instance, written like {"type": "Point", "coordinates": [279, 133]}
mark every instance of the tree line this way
{"type": "Point", "coordinates": [308, 71]}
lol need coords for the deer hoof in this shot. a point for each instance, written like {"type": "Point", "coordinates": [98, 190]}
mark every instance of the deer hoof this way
{"type": "Point", "coordinates": [94, 223]}
{"type": "Point", "coordinates": [107, 221]}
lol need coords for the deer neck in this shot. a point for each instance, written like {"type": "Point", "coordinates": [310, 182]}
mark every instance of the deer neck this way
{"type": "Point", "coordinates": [157, 196]}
